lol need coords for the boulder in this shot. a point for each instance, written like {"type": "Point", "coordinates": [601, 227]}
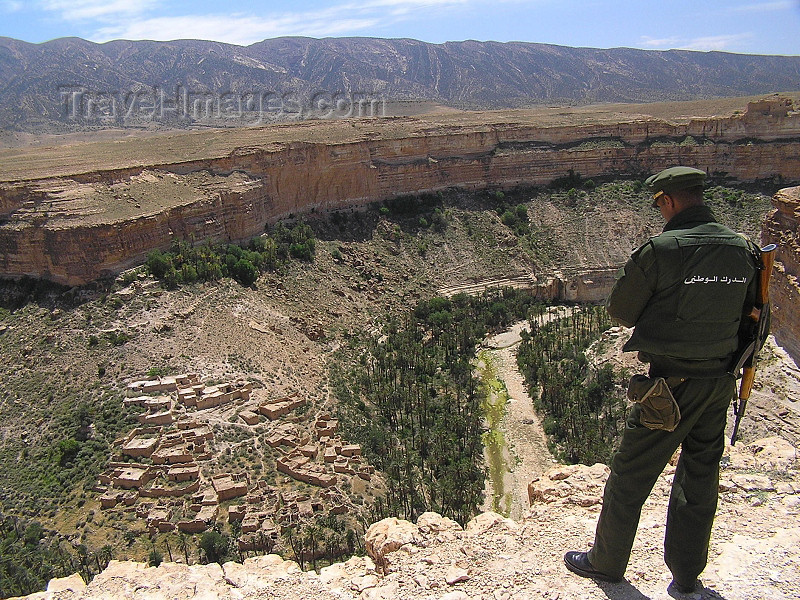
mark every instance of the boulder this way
{"type": "Point", "coordinates": [488, 520]}
{"type": "Point", "coordinates": [431, 522]}
{"type": "Point", "coordinates": [571, 484]}
{"type": "Point", "coordinates": [389, 535]}
{"type": "Point", "coordinates": [74, 583]}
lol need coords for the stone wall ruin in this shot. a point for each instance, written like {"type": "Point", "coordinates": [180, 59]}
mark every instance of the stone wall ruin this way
{"type": "Point", "coordinates": [167, 486]}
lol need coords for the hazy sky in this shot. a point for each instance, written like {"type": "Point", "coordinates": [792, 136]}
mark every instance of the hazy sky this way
{"type": "Point", "coordinates": [743, 26]}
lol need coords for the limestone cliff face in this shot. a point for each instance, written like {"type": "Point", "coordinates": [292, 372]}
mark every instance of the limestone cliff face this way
{"type": "Point", "coordinates": [782, 227]}
{"type": "Point", "coordinates": [82, 225]}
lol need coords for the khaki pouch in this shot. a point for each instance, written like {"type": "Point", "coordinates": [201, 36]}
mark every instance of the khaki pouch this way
{"type": "Point", "coordinates": [658, 407]}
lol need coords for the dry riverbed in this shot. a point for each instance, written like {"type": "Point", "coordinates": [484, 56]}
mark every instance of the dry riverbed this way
{"type": "Point", "coordinates": [518, 451]}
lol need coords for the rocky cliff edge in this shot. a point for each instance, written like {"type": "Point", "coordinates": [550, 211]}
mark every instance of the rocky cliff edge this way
{"type": "Point", "coordinates": [755, 549]}
{"type": "Point", "coordinates": [72, 214]}
{"type": "Point", "coordinates": [782, 227]}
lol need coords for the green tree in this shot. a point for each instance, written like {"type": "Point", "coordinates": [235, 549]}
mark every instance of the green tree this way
{"type": "Point", "coordinates": [245, 272]}
{"type": "Point", "coordinates": [509, 219]}
{"type": "Point", "coordinates": [33, 533]}
{"type": "Point", "coordinates": [158, 263]}
{"type": "Point", "coordinates": [215, 546]}
{"type": "Point", "coordinates": [68, 449]}
{"type": "Point", "coordinates": [188, 273]}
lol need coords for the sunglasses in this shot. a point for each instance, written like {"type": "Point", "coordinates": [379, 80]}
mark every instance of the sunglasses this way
{"type": "Point", "coordinates": [656, 197]}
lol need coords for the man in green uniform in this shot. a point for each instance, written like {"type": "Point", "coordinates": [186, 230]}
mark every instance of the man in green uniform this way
{"type": "Point", "coordinates": [685, 292]}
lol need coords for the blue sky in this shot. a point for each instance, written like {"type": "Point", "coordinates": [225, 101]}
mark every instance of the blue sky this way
{"type": "Point", "coordinates": [743, 26]}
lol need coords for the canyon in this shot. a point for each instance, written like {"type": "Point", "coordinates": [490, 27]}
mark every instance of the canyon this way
{"type": "Point", "coordinates": [75, 213]}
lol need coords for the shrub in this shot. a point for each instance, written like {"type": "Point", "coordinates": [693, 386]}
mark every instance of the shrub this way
{"type": "Point", "coordinates": [245, 272]}
{"type": "Point", "coordinates": [33, 534]}
{"type": "Point", "coordinates": [439, 221]}
{"type": "Point", "coordinates": [258, 244]}
{"type": "Point", "coordinates": [158, 264]}
{"type": "Point", "coordinates": [68, 450]}
{"type": "Point", "coordinates": [117, 338]}
{"type": "Point", "coordinates": [155, 558]}
{"type": "Point", "coordinates": [234, 250]}
{"type": "Point", "coordinates": [215, 546]}
{"type": "Point", "coordinates": [171, 277]}
{"type": "Point", "coordinates": [509, 219]}
{"type": "Point", "coordinates": [302, 251]}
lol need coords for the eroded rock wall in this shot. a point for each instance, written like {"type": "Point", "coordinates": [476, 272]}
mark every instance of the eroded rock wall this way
{"type": "Point", "coordinates": [76, 228]}
{"type": "Point", "coordinates": [782, 227]}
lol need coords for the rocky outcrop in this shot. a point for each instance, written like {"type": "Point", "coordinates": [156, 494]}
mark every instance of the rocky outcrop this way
{"type": "Point", "coordinates": [88, 223]}
{"type": "Point", "coordinates": [754, 548]}
{"type": "Point", "coordinates": [782, 227]}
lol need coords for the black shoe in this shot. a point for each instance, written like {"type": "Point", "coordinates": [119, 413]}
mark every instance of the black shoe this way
{"type": "Point", "coordinates": [677, 589]}
{"type": "Point", "coordinates": [578, 563]}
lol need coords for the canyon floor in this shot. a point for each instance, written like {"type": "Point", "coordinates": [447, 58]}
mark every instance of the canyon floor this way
{"type": "Point", "coordinates": [754, 553]}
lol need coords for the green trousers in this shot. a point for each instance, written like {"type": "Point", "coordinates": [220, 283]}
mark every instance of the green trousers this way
{"type": "Point", "coordinates": [640, 460]}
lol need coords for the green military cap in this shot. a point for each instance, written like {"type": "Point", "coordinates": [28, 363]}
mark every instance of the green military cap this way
{"type": "Point", "coordinates": [675, 178]}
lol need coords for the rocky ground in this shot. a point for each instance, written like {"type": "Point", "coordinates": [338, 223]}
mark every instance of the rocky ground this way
{"type": "Point", "coordinates": [755, 550]}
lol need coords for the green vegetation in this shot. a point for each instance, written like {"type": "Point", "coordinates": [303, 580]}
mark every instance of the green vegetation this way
{"type": "Point", "coordinates": [31, 556]}
{"type": "Point", "coordinates": [515, 218]}
{"type": "Point", "coordinates": [583, 416]}
{"type": "Point", "coordinates": [414, 400]}
{"type": "Point", "coordinates": [494, 409]}
{"type": "Point", "coordinates": [740, 209]}
{"type": "Point", "coordinates": [155, 558]}
{"type": "Point", "coordinates": [26, 563]}
{"type": "Point", "coordinates": [598, 144]}
{"type": "Point", "coordinates": [38, 479]}
{"type": "Point", "coordinates": [185, 263]}
{"type": "Point", "coordinates": [414, 403]}
{"type": "Point", "coordinates": [215, 546]}
{"type": "Point", "coordinates": [423, 210]}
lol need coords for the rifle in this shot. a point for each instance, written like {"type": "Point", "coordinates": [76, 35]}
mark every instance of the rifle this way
{"type": "Point", "coordinates": [759, 317]}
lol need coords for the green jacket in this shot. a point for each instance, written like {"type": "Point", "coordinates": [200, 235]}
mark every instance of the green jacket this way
{"type": "Point", "coordinates": [685, 292]}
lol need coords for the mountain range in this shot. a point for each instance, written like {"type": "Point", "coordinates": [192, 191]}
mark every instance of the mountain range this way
{"type": "Point", "coordinates": [71, 83]}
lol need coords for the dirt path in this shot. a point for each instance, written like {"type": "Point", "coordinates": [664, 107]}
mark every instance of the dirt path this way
{"type": "Point", "coordinates": [526, 445]}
